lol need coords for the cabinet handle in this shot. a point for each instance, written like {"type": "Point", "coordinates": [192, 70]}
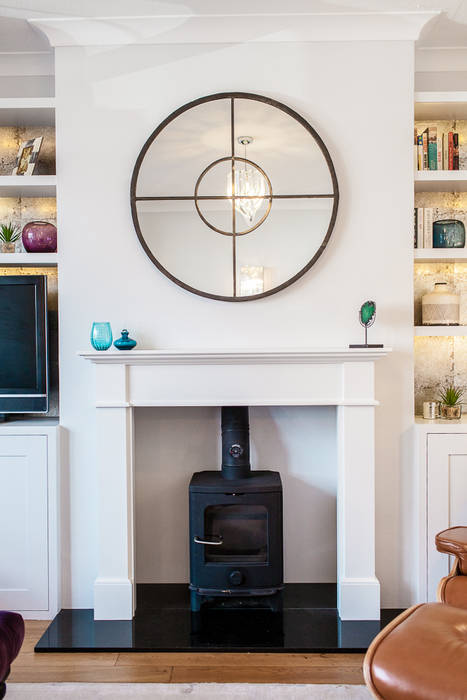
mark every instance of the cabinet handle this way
{"type": "Point", "coordinates": [215, 543]}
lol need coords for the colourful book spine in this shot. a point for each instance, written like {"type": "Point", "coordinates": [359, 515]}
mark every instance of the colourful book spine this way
{"type": "Point", "coordinates": [439, 153]}
{"type": "Point", "coordinates": [415, 227]}
{"type": "Point", "coordinates": [450, 150]}
{"type": "Point", "coordinates": [455, 151]}
{"type": "Point", "coordinates": [420, 152]}
{"type": "Point", "coordinates": [445, 151]}
{"type": "Point", "coordinates": [425, 149]}
{"type": "Point", "coordinates": [420, 240]}
{"type": "Point", "coordinates": [432, 154]}
{"type": "Point", "coordinates": [428, 227]}
{"type": "Point", "coordinates": [415, 149]}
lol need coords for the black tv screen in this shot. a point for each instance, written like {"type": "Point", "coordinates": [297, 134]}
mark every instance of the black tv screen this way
{"type": "Point", "coordinates": [23, 344]}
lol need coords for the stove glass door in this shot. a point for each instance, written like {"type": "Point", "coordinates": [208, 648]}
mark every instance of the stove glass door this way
{"type": "Point", "coordinates": [243, 531]}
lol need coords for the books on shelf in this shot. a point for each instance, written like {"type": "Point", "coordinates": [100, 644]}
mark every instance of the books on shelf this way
{"type": "Point", "coordinates": [423, 227]}
{"type": "Point", "coordinates": [436, 151]}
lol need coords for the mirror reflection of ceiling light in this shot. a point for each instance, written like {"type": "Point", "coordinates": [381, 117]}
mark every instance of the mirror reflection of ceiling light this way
{"type": "Point", "coordinates": [251, 280]}
{"type": "Point", "coordinates": [249, 184]}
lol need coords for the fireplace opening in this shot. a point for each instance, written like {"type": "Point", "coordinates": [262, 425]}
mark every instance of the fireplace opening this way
{"type": "Point", "coordinates": [236, 538]}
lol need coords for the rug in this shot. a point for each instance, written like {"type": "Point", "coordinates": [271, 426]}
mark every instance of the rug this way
{"type": "Point", "coordinates": [184, 691]}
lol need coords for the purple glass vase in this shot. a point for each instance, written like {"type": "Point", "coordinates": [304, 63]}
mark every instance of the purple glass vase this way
{"type": "Point", "coordinates": [40, 237]}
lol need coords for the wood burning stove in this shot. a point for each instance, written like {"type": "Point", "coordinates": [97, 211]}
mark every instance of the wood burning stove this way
{"type": "Point", "coordinates": [236, 524]}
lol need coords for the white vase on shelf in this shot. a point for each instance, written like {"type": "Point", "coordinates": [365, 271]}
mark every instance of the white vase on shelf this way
{"type": "Point", "coordinates": [440, 307]}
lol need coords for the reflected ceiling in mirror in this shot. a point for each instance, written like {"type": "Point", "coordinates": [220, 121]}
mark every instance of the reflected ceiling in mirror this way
{"type": "Point", "coordinates": [234, 196]}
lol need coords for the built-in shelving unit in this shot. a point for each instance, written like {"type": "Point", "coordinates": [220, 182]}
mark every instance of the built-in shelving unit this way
{"type": "Point", "coordinates": [35, 259]}
{"type": "Point", "coordinates": [448, 255]}
{"type": "Point", "coordinates": [28, 185]}
{"type": "Point", "coordinates": [441, 181]}
{"type": "Point", "coordinates": [440, 105]}
{"type": "Point", "coordinates": [27, 111]}
{"type": "Point", "coordinates": [35, 113]}
{"type": "Point", "coordinates": [438, 184]}
{"type": "Point", "coordinates": [440, 330]}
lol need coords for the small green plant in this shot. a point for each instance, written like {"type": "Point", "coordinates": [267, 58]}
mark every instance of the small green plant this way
{"type": "Point", "coordinates": [9, 233]}
{"type": "Point", "coordinates": [451, 395]}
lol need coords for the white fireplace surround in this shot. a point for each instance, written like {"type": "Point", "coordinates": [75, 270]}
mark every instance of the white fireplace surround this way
{"type": "Point", "coordinates": [311, 377]}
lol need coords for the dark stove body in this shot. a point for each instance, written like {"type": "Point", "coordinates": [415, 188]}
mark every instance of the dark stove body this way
{"type": "Point", "coordinates": [236, 525]}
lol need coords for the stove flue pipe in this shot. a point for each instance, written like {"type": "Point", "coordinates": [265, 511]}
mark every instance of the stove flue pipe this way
{"type": "Point", "coordinates": [235, 442]}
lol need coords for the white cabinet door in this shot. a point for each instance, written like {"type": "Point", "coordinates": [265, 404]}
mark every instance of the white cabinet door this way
{"type": "Point", "coordinates": [23, 523]}
{"type": "Point", "coordinates": [446, 498]}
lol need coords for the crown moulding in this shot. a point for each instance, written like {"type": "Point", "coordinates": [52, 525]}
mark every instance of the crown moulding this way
{"type": "Point", "coordinates": [233, 28]}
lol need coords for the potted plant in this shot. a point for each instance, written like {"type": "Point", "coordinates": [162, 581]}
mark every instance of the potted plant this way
{"type": "Point", "coordinates": [9, 234]}
{"type": "Point", "coordinates": [451, 402]}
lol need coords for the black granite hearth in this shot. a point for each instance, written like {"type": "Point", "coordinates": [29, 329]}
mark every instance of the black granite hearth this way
{"type": "Point", "coordinates": [163, 622]}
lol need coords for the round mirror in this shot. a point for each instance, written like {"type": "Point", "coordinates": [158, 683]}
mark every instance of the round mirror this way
{"type": "Point", "coordinates": [234, 196]}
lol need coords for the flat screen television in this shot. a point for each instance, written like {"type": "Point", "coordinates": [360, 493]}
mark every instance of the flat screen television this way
{"type": "Point", "coordinates": [23, 344]}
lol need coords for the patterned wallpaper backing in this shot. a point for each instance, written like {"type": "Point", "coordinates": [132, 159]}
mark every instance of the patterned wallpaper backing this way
{"type": "Point", "coordinates": [11, 138]}
{"type": "Point", "coordinates": [20, 210]}
{"type": "Point", "coordinates": [439, 360]}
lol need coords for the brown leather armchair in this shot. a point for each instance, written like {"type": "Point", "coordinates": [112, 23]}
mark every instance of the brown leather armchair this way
{"type": "Point", "coordinates": [452, 589]}
{"type": "Point", "coordinates": [422, 654]}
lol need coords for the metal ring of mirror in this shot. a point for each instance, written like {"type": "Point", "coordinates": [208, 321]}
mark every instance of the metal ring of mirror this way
{"type": "Point", "coordinates": [234, 196]}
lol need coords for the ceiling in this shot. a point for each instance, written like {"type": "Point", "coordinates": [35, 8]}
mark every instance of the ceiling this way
{"type": "Point", "coordinates": [449, 29]}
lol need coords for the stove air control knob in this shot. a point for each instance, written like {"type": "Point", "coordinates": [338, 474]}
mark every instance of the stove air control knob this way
{"type": "Point", "coordinates": [236, 451]}
{"type": "Point", "coordinates": [236, 578]}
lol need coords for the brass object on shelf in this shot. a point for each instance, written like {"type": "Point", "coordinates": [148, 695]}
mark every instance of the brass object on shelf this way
{"type": "Point", "coordinates": [431, 410]}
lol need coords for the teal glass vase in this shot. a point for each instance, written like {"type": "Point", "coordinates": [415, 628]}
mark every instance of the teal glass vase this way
{"type": "Point", "coordinates": [101, 335]}
{"type": "Point", "coordinates": [448, 233]}
{"type": "Point", "coordinates": [125, 343]}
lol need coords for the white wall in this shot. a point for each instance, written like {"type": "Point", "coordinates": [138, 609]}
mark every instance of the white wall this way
{"type": "Point", "coordinates": [359, 97]}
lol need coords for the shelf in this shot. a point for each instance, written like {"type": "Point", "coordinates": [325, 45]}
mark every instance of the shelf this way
{"type": "Point", "coordinates": [27, 111]}
{"type": "Point", "coordinates": [447, 255]}
{"type": "Point", "coordinates": [28, 185]}
{"type": "Point", "coordinates": [440, 425]}
{"type": "Point", "coordinates": [440, 330]}
{"type": "Point", "coordinates": [440, 181]}
{"type": "Point", "coordinates": [438, 106]}
{"type": "Point", "coordinates": [36, 259]}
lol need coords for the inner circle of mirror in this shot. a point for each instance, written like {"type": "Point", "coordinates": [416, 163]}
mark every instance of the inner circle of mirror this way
{"type": "Point", "coordinates": [234, 196]}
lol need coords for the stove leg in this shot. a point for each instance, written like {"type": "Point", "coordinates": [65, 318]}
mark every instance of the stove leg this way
{"type": "Point", "coordinates": [195, 601]}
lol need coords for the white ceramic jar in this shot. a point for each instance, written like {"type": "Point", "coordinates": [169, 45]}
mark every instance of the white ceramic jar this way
{"type": "Point", "coordinates": [440, 307]}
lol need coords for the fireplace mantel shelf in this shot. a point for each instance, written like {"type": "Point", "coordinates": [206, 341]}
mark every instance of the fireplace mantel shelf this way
{"type": "Point", "coordinates": [237, 357]}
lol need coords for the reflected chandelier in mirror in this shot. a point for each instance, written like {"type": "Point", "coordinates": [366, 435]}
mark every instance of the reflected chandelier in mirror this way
{"type": "Point", "coordinates": [234, 196]}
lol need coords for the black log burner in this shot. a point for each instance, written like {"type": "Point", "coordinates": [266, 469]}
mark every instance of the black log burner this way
{"type": "Point", "coordinates": [236, 525]}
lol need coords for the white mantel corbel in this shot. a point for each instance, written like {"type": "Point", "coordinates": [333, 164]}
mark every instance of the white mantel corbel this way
{"type": "Point", "coordinates": [311, 377]}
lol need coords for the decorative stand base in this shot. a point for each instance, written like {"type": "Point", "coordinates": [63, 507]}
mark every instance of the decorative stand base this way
{"type": "Point", "coordinates": [366, 345]}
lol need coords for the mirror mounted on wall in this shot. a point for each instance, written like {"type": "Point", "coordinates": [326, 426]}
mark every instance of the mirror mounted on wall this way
{"type": "Point", "coordinates": [234, 196]}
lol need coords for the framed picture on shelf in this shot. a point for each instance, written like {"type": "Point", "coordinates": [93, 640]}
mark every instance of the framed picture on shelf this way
{"type": "Point", "coordinates": [27, 157]}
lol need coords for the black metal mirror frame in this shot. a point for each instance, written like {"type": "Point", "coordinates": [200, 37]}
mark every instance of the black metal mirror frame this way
{"type": "Point", "coordinates": [232, 96]}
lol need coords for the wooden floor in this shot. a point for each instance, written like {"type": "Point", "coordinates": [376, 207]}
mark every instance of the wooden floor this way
{"type": "Point", "coordinates": [180, 668]}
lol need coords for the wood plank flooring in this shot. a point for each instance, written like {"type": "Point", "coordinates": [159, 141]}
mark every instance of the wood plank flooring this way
{"type": "Point", "coordinates": [179, 667]}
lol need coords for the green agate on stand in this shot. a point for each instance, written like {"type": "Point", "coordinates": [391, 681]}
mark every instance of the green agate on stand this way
{"type": "Point", "coordinates": [367, 315]}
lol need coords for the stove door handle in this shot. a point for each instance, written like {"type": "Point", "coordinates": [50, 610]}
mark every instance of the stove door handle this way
{"type": "Point", "coordinates": [215, 543]}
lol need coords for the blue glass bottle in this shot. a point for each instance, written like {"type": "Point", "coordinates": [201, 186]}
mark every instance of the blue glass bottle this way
{"type": "Point", "coordinates": [448, 233]}
{"type": "Point", "coordinates": [101, 335]}
{"type": "Point", "coordinates": [125, 343]}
